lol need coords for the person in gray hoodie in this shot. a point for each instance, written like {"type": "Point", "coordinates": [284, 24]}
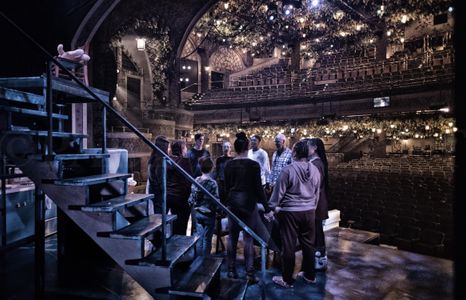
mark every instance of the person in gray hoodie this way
{"type": "Point", "coordinates": [294, 201]}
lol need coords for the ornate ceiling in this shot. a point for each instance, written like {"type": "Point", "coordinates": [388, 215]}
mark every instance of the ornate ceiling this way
{"type": "Point", "coordinates": [319, 25]}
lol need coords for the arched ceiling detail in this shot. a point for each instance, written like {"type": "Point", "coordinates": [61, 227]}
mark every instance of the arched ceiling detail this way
{"type": "Point", "coordinates": [225, 59]}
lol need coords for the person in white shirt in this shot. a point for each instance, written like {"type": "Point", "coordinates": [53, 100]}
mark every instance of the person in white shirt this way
{"type": "Point", "coordinates": [261, 156]}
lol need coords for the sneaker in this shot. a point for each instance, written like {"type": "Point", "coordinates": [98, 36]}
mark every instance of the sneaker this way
{"type": "Point", "coordinates": [279, 281]}
{"type": "Point", "coordinates": [321, 263]}
{"type": "Point", "coordinates": [301, 274]}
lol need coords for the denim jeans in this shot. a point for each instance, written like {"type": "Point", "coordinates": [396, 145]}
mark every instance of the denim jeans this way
{"type": "Point", "coordinates": [205, 229]}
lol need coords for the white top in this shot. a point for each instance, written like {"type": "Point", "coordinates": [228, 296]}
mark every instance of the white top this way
{"type": "Point", "coordinates": [262, 158]}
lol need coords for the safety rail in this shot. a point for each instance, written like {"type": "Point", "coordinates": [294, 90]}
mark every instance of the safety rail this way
{"type": "Point", "coordinates": [166, 157]}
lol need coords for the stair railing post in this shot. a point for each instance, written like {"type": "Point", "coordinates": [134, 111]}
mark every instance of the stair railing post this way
{"type": "Point", "coordinates": [104, 139]}
{"type": "Point", "coordinates": [164, 209]}
{"type": "Point", "coordinates": [49, 104]}
{"type": "Point", "coordinates": [263, 266]}
{"type": "Point", "coordinates": [3, 201]}
{"type": "Point", "coordinates": [39, 244]}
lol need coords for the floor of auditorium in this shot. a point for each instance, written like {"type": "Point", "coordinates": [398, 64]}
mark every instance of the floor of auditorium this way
{"type": "Point", "coordinates": [356, 271]}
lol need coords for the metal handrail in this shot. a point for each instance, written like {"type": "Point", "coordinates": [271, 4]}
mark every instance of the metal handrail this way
{"type": "Point", "coordinates": [154, 147]}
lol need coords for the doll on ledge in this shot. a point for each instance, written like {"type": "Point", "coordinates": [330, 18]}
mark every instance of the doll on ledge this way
{"type": "Point", "coordinates": [75, 61]}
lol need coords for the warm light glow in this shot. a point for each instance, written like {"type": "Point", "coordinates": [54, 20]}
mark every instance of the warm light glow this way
{"type": "Point", "coordinates": [226, 5]}
{"type": "Point", "coordinates": [389, 33]}
{"type": "Point", "coordinates": [141, 44]}
{"type": "Point", "coordinates": [402, 40]}
{"type": "Point", "coordinates": [404, 18]}
{"type": "Point", "coordinates": [450, 124]}
{"type": "Point", "coordinates": [427, 127]}
{"type": "Point", "coordinates": [358, 27]}
{"type": "Point", "coordinates": [445, 109]}
{"type": "Point", "coordinates": [345, 127]}
{"type": "Point", "coordinates": [207, 68]}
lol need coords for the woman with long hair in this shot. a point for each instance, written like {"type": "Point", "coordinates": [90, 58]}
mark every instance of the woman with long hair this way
{"type": "Point", "coordinates": [318, 157]}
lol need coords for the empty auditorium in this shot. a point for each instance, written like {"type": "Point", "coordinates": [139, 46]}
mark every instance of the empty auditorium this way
{"type": "Point", "coordinates": [232, 149]}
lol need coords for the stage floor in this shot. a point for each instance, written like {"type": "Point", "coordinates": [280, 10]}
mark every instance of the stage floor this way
{"type": "Point", "coordinates": [356, 270]}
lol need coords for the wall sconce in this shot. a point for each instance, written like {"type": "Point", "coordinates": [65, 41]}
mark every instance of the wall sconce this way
{"type": "Point", "coordinates": [141, 44]}
{"type": "Point", "coordinates": [207, 68]}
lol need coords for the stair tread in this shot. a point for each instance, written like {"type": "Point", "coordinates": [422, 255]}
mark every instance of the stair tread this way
{"type": "Point", "coordinates": [87, 180]}
{"type": "Point", "coordinates": [177, 245]}
{"type": "Point", "coordinates": [231, 289]}
{"type": "Point", "coordinates": [116, 203]}
{"type": "Point", "coordinates": [44, 133]}
{"type": "Point", "coordinates": [65, 86]}
{"type": "Point", "coordinates": [141, 228]}
{"type": "Point", "coordinates": [80, 156]}
{"type": "Point", "coordinates": [21, 96]}
{"type": "Point", "coordinates": [32, 112]}
{"type": "Point", "coordinates": [72, 156]}
{"type": "Point", "coordinates": [197, 278]}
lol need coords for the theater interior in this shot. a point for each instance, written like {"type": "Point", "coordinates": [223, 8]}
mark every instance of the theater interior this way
{"type": "Point", "coordinates": [377, 81]}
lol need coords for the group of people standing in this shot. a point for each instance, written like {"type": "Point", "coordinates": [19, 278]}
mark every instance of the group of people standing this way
{"type": "Point", "coordinates": [288, 196]}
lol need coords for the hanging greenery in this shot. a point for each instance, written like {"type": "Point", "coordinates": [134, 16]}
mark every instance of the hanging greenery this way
{"type": "Point", "coordinates": [158, 48]}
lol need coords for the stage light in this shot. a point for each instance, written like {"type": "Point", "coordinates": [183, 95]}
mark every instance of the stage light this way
{"type": "Point", "coordinates": [141, 44]}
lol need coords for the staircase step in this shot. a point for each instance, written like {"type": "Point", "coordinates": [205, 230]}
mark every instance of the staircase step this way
{"type": "Point", "coordinates": [32, 112]}
{"type": "Point", "coordinates": [197, 278]}
{"type": "Point", "coordinates": [20, 96]}
{"type": "Point", "coordinates": [177, 246]}
{"type": "Point", "coordinates": [87, 180]}
{"type": "Point", "coordinates": [114, 204]}
{"type": "Point", "coordinates": [79, 156]}
{"type": "Point", "coordinates": [74, 156]}
{"type": "Point", "coordinates": [231, 289]}
{"type": "Point", "coordinates": [140, 228]}
{"type": "Point", "coordinates": [43, 133]}
{"type": "Point", "coordinates": [59, 85]}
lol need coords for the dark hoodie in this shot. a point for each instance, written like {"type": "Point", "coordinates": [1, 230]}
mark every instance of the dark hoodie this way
{"type": "Point", "coordinates": [297, 188]}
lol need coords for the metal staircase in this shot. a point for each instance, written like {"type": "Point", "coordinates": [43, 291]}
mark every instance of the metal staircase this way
{"type": "Point", "coordinates": [32, 138]}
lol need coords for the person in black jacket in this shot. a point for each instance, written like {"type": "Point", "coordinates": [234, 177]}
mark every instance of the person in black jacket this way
{"type": "Point", "coordinates": [244, 189]}
{"type": "Point", "coordinates": [179, 188]}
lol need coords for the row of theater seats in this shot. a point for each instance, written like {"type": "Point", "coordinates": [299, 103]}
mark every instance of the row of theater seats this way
{"type": "Point", "coordinates": [346, 57]}
{"type": "Point", "coordinates": [409, 201]}
{"type": "Point", "coordinates": [373, 76]}
{"type": "Point", "coordinates": [396, 65]}
{"type": "Point", "coordinates": [279, 92]}
{"type": "Point", "coordinates": [275, 74]}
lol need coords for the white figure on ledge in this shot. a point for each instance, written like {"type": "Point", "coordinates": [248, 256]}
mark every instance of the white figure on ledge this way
{"type": "Point", "coordinates": [77, 55]}
{"type": "Point", "coordinates": [74, 55]}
